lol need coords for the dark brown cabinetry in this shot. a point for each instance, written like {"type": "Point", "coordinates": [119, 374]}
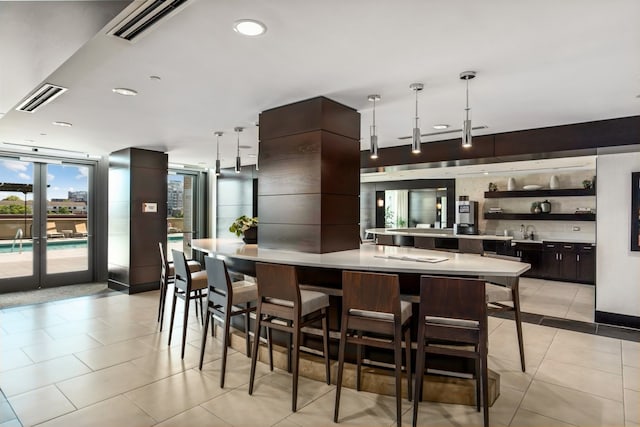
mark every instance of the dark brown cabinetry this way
{"type": "Point", "coordinates": [531, 253]}
{"type": "Point", "coordinates": [573, 262]}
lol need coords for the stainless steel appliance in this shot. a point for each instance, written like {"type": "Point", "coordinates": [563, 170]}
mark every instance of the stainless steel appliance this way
{"type": "Point", "coordinates": [466, 217]}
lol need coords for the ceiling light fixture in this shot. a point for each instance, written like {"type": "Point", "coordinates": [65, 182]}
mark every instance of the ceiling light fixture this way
{"type": "Point", "coordinates": [441, 126]}
{"type": "Point", "coordinates": [466, 124]}
{"type": "Point", "coordinates": [218, 135]}
{"type": "Point", "coordinates": [372, 129]}
{"type": "Point", "coordinates": [238, 163]}
{"type": "Point", "coordinates": [415, 140]}
{"type": "Point", "coordinates": [249, 27]}
{"type": "Point", "coordinates": [63, 124]}
{"type": "Point", "coordinates": [124, 91]}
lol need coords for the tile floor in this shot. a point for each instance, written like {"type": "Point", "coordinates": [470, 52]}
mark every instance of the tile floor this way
{"type": "Point", "coordinates": [102, 362]}
{"type": "Point", "coordinates": [564, 300]}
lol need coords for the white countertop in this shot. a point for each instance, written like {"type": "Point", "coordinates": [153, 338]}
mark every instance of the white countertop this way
{"type": "Point", "coordinates": [428, 232]}
{"type": "Point", "coordinates": [369, 258]}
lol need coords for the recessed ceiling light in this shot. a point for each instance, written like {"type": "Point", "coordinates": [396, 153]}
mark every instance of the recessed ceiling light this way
{"type": "Point", "coordinates": [124, 91]}
{"type": "Point", "coordinates": [249, 27]}
{"type": "Point", "coordinates": [63, 124]}
{"type": "Point", "coordinates": [252, 155]}
{"type": "Point", "coordinates": [486, 173]}
{"type": "Point", "coordinates": [43, 134]}
{"type": "Point", "coordinates": [441, 126]}
{"type": "Point", "coordinates": [155, 78]}
{"type": "Point", "coordinates": [245, 147]}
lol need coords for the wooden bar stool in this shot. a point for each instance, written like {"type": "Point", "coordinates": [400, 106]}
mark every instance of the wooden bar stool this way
{"type": "Point", "coordinates": [371, 305]}
{"type": "Point", "coordinates": [167, 275]}
{"type": "Point", "coordinates": [501, 290]}
{"type": "Point", "coordinates": [453, 311]}
{"type": "Point", "coordinates": [186, 286]}
{"type": "Point", "coordinates": [226, 299]}
{"type": "Point", "coordinates": [280, 299]}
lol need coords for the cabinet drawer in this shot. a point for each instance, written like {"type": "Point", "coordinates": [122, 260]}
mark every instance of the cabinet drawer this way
{"type": "Point", "coordinates": [586, 247]}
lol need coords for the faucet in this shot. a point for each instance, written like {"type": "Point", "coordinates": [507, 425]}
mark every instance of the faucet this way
{"type": "Point", "coordinates": [523, 231]}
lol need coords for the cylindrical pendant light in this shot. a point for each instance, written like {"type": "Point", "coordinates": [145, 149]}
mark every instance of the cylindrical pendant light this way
{"type": "Point", "coordinates": [415, 140]}
{"type": "Point", "coordinates": [238, 163]}
{"type": "Point", "coordinates": [373, 131]}
{"type": "Point", "coordinates": [218, 135]}
{"type": "Point", "coordinates": [466, 123]}
{"type": "Point", "coordinates": [258, 147]}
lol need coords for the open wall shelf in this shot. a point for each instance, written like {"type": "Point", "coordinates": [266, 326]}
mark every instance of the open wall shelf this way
{"type": "Point", "coordinates": [541, 216]}
{"type": "Point", "coordinates": [541, 193]}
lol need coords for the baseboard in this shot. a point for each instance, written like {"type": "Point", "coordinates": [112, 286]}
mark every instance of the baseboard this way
{"type": "Point", "coordinates": [617, 319]}
{"type": "Point", "coordinates": [130, 290]}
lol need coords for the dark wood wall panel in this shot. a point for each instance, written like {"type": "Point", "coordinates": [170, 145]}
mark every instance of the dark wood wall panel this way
{"type": "Point", "coordinates": [309, 115]}
{"type": "Point", "coordinates": [309, 177]}
{"type": "Point", "coordinates": [291, 164]}
{"type": "Point", "coordinates": [136, 176]}
{"type": "Point", "coordinates": [308, 209]}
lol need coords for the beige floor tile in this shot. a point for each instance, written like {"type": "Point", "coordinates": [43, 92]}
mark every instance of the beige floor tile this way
{"type": "Point", "coordinates": [194, 417]}
{"type": "Point", "coordinates": [631, 378]}
{"type": "Point", "coordinates": [438, 414]}
{"type": "Point", "coordinates": [75, 327]}
{"type": "Point", "coordinates": [38, 375]}
{"type": "Point", "coordinates": [173, 395]}
{"type": "Point", "coordinates": [493, 323]}
{"type": "Point", "coordinates": [114, 354]}
{"type": "Point", "coordinates": [505, 406]}
{"type": "Point", "coordinates": [23, 339]}
{"type": "Point", "coordinates": [631, 354]}
{"type": "Point", "coordinates": [237, 371]}
{"type": "Point", "coordinates": [626, 424]}
{"type": "Point", "coordinates": [524, 418]}
{"type": "Point", "coordinates": [511, 374]}
{"type": "Point", "coordinates": [12, 359]}
{"type": "Point", "coordinates": [588, 342]}
{"type": "Point", "coordinates": [286, 423]}
{"type": "Point", "coordinates": [581, 311]}
{"type": "Point", "coordinates": [117, 411]}
{"type": "Point", "coordinates": [503, 342]}
{"type": "Point", "coordinates": [61, 347]}
{"type": "Point", "coordinates": [572, 406]}
{"type": "Point", "coordinates": [586, 293]}
{"type": "Point", "coordinates": [31, 323]}
{"type": "Point", "coordinates": [579, 378]}
{"type": "Point", "coordinates": [40, 405]}
{"type": "Point", "coordinates": [587, 358]}
{"type": "Point", "coordinates": [166, 362]}
{"type": "Point", "coordinates": [632, 406]}
{"type": "Point", "coordinates": [94, 387]}
{"type": "Point", "coordinates": [114, 335]}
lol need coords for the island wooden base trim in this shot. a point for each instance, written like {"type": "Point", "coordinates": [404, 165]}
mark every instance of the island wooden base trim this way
{"type": "Point", "coordinates": [436, 388]}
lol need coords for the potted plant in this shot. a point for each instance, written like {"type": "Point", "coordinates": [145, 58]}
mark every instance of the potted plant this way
{"type": "Point", "coordinates": [247, 226]}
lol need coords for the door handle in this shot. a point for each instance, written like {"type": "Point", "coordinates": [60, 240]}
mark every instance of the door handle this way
{"type": "Point", "coordinates": [578, 258]}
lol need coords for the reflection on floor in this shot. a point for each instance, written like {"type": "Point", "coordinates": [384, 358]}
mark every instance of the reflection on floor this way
{"type": "Point", "coordinates": [101, 361]}
{"type": "Point", "coordinates": [558, 299]}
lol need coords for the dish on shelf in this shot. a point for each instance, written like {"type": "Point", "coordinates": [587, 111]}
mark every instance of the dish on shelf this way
{"type": "Point", "coordinates": [532, 187]}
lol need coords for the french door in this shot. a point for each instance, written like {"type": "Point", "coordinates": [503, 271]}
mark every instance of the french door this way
{"type": "Point", "coordinates": [186, 202]}
{"type": "Point", "coordinates": [45, 228]}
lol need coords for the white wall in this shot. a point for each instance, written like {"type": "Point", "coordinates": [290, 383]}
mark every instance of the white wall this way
{"type": "Point", "coordinates": [618, 268]}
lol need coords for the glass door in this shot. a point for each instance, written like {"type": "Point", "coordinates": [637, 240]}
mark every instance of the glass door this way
{"type": "Point", "coordinates": [45, 237]}
{"type": "Point", "coordinates": [183, 210]}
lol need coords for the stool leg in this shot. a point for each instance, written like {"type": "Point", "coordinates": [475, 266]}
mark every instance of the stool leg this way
{"type": "Point", "coordinates": [325, 344]}
{"type": "Point", "coordinates": [296, 360]}
{"type": "Point", "coordinates": [485, 387]}
{"type": "Point", "coordinates": [407, 341]}
{"type": "Point", "coordinates": [398, 371]}
{"type": "Point", "coordinates": [184, 324]}
{"type": "Point", "coordinates": [420, 360]}
{"type": "Point", "coordinates": [225, 343]}
{"type": "Point", "coordinates": [269, 346]}
{"type": "Point", "coordinates": [478, 382]}
{"type": "Point", "coordinates": [516, 309]}
{"type": "Point", "coordinates": [289, 343]}
{"type": "Point", "coordinates": [341, 350]}
{"type": "Point", "coordinates": [246, 330]}
{"type": "Point", "coordinates": [173, 314]}
{"type": "Point", "coordinates": [204, 338]}
{"type": "Point", "coordinates": [358, 360]}
{"type": "Point", "coordinates": [256, 343]}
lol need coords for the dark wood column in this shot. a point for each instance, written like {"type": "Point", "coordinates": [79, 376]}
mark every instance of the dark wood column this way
{"type": "Point", "coordinates": [309, 178]}
{"type": "Point", "coordinates": [137, 178]}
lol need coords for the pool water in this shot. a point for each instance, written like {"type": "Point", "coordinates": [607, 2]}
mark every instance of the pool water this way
{"type": "Point", "coordinates": [55, 245]}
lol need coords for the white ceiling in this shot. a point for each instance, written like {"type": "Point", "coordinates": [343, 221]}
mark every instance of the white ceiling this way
{"type": "Point", "coordinates": [539, 64]}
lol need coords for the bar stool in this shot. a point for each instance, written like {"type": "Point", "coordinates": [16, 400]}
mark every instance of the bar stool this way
{"type": "Point", "coordinates": [501, 290]}
{"type": "Point", "coordinates": [280, 299]}
{"type": "Point", "coordinates": [371, 304]}
{"type": "Point", "coordinates": [453, 311]}
{"type": "Point", "coordinates": [186, 286]}
{"type": "Point", "coordinates": [226, 299]}
{"type": "Point", "coordinates": [167, 275]}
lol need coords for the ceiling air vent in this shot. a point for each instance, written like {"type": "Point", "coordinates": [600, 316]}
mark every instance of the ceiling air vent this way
{"type": "Point", "coordinates": [146, 16]}
{"type": "Point", "coordinates": [42, 96]}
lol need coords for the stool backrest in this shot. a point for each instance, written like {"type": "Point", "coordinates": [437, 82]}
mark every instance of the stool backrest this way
{"type": "Point", "coordinates": [218, 281]}
{"type": "Point", "coordinates": [163, 259]}
{"type": "Point", "coordinates": [371, 292]}
{"type": "Point", "coordinates": [183, 275]}
{"type": "Point", "coordinates": [453, 298]}
{"type": "Point", "coordinates": [278, 281]}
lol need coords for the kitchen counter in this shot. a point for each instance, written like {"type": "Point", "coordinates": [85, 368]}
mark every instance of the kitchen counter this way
{"type": "Point", "coordinates": [563, 240]}
{"type": "Point", "coordinates": [433, 232]}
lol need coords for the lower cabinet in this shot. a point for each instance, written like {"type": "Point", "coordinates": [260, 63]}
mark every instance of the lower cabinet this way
{"type": "Point", "coordinates": [530, 253]}
{"type": "Point", "coordinates": [572, 262]}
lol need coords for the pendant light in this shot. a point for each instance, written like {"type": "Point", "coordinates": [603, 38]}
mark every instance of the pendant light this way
{"type": "Point", "coordinates": [238, 163]}
{"type": "Point", "coordinates": [466, 124]}
{"type": "Point", "coordinates": [258, 147]}
{"type": "Point", "coordinates": [374, 136]}
{"type": "Point", "coordinates": [218, 135]}
{"type": "Point", "coordinates": [415, 140]}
